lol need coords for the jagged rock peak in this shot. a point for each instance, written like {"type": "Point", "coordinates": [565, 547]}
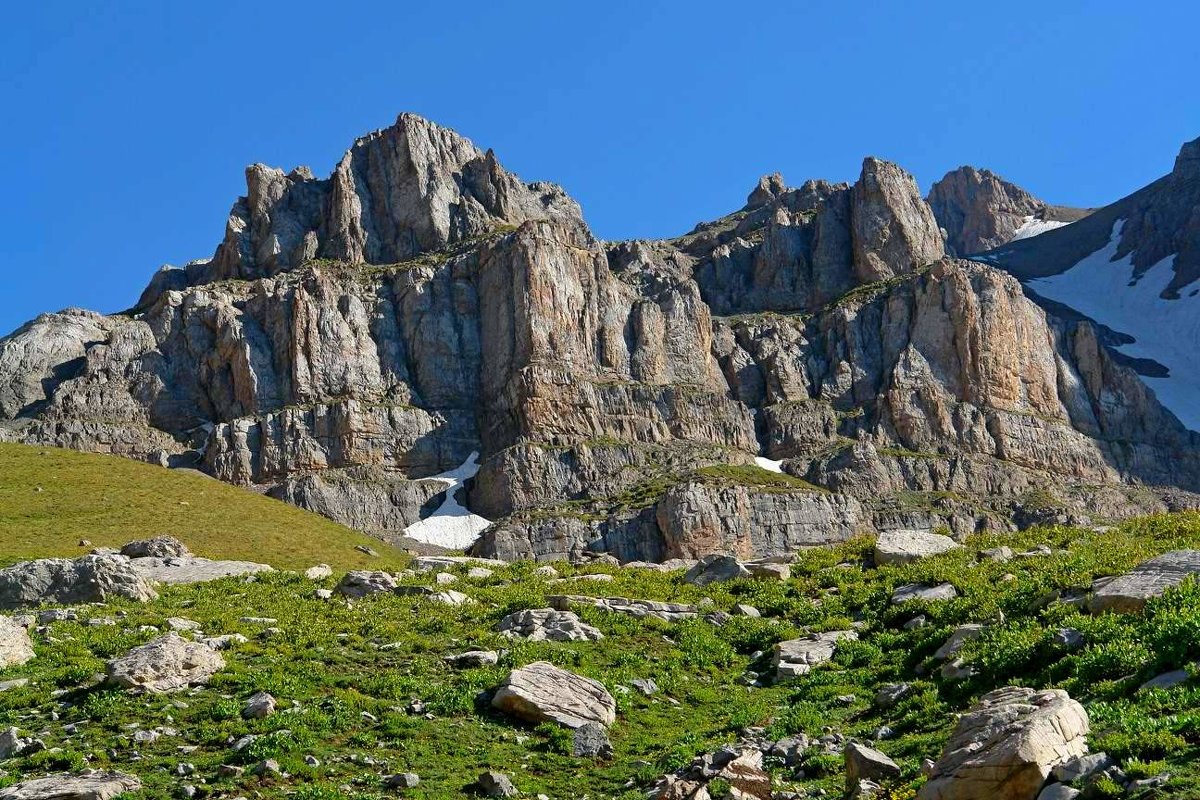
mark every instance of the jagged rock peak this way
{"type": "Point", "coordinates": [894, 230]}
{"type": "Point", "coordinates": [396, 193]}
{"type": "Point", "coordinates": [768, 189]}
{"type": "Point", "coordinates": [1187, 163]}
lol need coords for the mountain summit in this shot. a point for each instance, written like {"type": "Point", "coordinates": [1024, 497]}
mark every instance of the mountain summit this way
{"type": "Point", "coordinates": [421, 344]}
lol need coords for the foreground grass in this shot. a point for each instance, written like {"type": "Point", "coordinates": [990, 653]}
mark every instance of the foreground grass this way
{"type": "Point", "coordinates": [346, 675]}
{"type": "Point", "coordinates": [50, 499]}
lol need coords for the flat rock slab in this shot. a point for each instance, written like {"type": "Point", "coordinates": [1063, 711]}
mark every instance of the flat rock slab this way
{"type": "Point", "coordinates": [67, 786]}
{"type": "Point", "coordinates": [798, 656]}
{"type": "Point", "coordinates": [1129, 593]}
{"type": "Point", "coordinates": [362, 583]}
{"type": "Point", "coordinates": [427, 563]}
{"type": "Point", "coordinates": [912, 592]}
{"type": "Point", "coordinates": [192, 569]}
{"type": "Point", "coordinates": [548, 624]}
{"type": "Point", "coordinates": [62, 581]}
{"type": "Point", "coordinates": [1007, 745]}
{"type": "Point", "coordinates": [165, 664]}
{"type": "Point", "coordinates": [906, 546]}
{"type": "Point", "coordinates": [541, 692]}
{"type": "Point", "coordinates": [15, 645]}
{"type": "Point", "coordinates": [668, 612]}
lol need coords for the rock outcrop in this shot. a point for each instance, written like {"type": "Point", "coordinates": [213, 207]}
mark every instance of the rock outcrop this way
{"type": "Point", "coordinates": [354, 336]}
{"type": "Point", "coordinates": [61, 581]}
{"type": "Point", "coordinates": [541, 692]}
{"type": "Point", "coordinates": [15, 646]}
{"type": "Point", "coordinates": [86, 785]}
{"type": "Point", "coordinates": [1006, 746]}
{"type": "Point", "coordinates": [1129, 593]}
{"type": "Point", "coordinates": [165, 664]}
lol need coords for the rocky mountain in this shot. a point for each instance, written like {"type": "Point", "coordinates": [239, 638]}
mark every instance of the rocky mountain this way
{"type": "Point", "coordinates": [979, 211]}
{"type": "Point", "coordinates": [1131, 268]}
{"type": "Point", "coordinates": [808, 367]}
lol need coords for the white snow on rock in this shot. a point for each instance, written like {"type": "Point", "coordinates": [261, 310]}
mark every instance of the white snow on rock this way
{"type": "Point", "coordinates": [452, 525]}
{"type": "Point", "coordinates": [768, 464]}
{"type": "Point", "coordinates": [1167, 331]}
{"type": "Point", "coordinates": [1031, 227]}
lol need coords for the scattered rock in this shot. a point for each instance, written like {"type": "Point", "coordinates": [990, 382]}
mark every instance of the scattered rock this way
{"type": "Point", "coordinates": [362, 583]}
{"type": "Point", "coordinates": [906, 546]}
{"type": "Point", "coordinates": [15, 645]}
{"type": "Point", "coordinates": [402, 780]}
{"type": "Point", "coordinates": [86, 785]}
{"type": "Point", "coordinates": [591, 741]}
{"type": "Point", "coordinates": [911, 592]}
{"type": "Point", "coordinates": [997, 554]}
{"type": "Point", "coordinates": [370, 551]}
{"type": "Point", "coordinates": [769, 570]}
{"type": "Point", "coordinates": [546, 571]}
{"type": "Point", "coordinates": [668, 612]}
{"type": "Point", "coordinates": [548, 624]}
{"type": "Point", "coordinates": [495, 784]}
{"type": "Point", "coordinates": [165, 664]}
{"type": "Point", "coordinates": [891, 693]}
{"type": "Point", "coordinates": [1007, 744]}
{"type": "Point", "coordinates": [646, 686]}
{"type": "Point", "coordinates": [473, 658]}
{"type": "Point", "coordinates": [961, 635]}
{"type": "Point", "coordinates": [444, 578]}
{"type": "Point", "coordinates": [1082, 767]}
{"type": "Point", "coordinates": [541, 691]}
{"type": "Point", "coordinates": [267, 767]}
{"type": "Point", "coordinates": [866, 763]}
{"type": "Point", "coordinates": [180, 624]}
{"type": "Point", "coordinates": [319, 572]}
{"type": "Point", "coordinates": [1068, 638]}
{"type": "Point", "coordinates": [715, 568]}
{"type": "Point", "coordinates": [12, 744]}
{"type": "Point", "coordinates": [479, 573]}
{"type": "Point", "coordinates": [158, 547]}
{"type": "Point", "coordinates": [797, 656]}
{"type": "Point", "coordinates": [258, 706]}
{"type": "Point", "coordinates": [1058, 791]}
{"type": "Point", "coordinates": [1129, 593]}
{"type": "Point", "coordinates": [744, 610]}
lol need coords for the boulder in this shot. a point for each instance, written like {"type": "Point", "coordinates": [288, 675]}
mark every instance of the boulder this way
{"type": "Point", "coordinates": [1166, 680]}
{"type": "Point", "coordinates": [60, 581]}
{"type": "Point", "coordinates": [259, 705]}
{"type": "Point", "coordinates": [541, 692]}
{"type": "Point", "coordinates": [362, 583]}
{"type": "Point", "coordinates": [668, 612]}
{"type": "Point", "coordinates": [158, 547]}
{"type": "Point", "coordinates": [319, 572]}
{"type": "Point", "coordinates": [716, 568]}
{"type": "Point", "coordinates": [472, 658]}
{"type": "Point", "coordinates": [797, 656]}
{"type": "Point", "coordinates": [962, 634]}
{"type": "Point", "coordinates": [905, 546]}
{"type": "Point", "coordinates": [1129, 593]}
{"type": "Point", "coordinates": [15, 645]}
{"type": "Point", "coordinates": [86, 785]}
{"type": "Point", "coordinates": [1006, 746]}
{"type": "Point", "coordinates": [591, 741]}
{"type": "Point", "coordinates": [867, 763]}
{"type": "Point", "coordinates": [495, 784]}
{"type": "Point", "coordinates": [548, 624]}
{"type": "Point", "coordinates": [165, 664]}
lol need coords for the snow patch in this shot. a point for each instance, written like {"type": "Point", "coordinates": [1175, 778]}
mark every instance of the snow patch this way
{"type": "Point", "coordinates": [452, 524]}
{"type": "Point", "coordinates": [1167, 331]}
{"type": "Point", "coordinates": [768, 464]}
{"type": "Point", "coordinates": [1031, 227]}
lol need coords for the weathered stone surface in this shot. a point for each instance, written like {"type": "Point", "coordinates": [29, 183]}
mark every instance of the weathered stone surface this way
{"type": "Point", "coordinates": [541, 692]}
{"type": "Point", "coordinates": [165, 664]}
{"type": "Point", "coordinates": [1129, 593]}
{"type": "Point", "coordinates": [905, 546]}
{"type": "Point", "coordinates": [911, 592]}
{"type": "Point", "coordinates": [668, 612]}
{"type": "Point", "coordinates": [716, 568]}
{"type": "Point", "coordinates": [591, 741]}
{"type": "Point", "coordinates": [87, 579]}
{"type": "Point", "coordinates": [259, 705]}
{"type": "Point", "coordinates": [548, 624]}
{"type": "Point", "coordinates": [962, 634]}
{"type": "Point", "coordinates": [15, 646]}
{"type": "Point", "coordinates": [190, 569]}
{"type": "Point", "coordinates": [157, 547]}
{"type": "Point", "coordinates": [867, 763]}
{"type": "Point", "coordinates": [86, 785]}
{"type": "Point", "coordinates": [361, 583]}
{"type": "Point", "coordinates": [798, 656]}
{"type": "Point", "coordinates": [472, 658]}
{"type": "Point", "coordinates": [1006, 746]}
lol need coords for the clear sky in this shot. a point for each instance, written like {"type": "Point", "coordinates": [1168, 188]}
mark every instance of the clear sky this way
{"type": "Point", "coordinates": [126, 126]}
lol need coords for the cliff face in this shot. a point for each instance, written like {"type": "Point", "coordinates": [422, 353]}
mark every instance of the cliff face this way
{"type": "Point", "coordinates": [354, 336]}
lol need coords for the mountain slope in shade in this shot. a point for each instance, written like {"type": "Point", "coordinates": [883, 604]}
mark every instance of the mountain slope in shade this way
{"type": "Point", "coordinates": [1131, 267]}
{"type": "Point", "coordinates": [979, 210]}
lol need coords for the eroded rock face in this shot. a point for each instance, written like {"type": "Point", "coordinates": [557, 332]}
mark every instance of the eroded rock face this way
{"type": "Point", "coordinates": [1006, 746]}
{"type": "Point", "coordinates": [541, 692]}
{"type": "Point", "coordinates": [15, 645]}
{"type": "Point", "coordinates": [165, 664]}
{"type": "Point", "coordinates": [355, 335]}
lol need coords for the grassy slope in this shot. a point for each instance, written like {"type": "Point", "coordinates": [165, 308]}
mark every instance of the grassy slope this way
{"type": "Point", "coordinates": [329, 660]}
{"type": "Point", "coordinates": [109, 501]}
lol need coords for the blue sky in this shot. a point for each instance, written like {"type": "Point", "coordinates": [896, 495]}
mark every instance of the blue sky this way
{"type": "Point", "coordinates": [127, 125]}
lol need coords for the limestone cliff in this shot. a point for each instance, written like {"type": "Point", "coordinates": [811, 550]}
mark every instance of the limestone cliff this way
{"type": "Point", "coordinates": [354, 336]}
